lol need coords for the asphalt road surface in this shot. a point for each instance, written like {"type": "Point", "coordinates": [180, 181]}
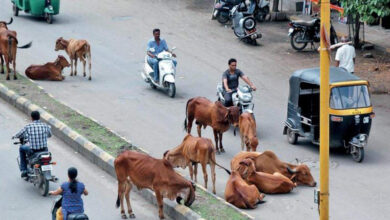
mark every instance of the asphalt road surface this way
{"type": "Point", "coordinates": [20, 199]}
{"type": "Point", "coordinates": [117, 96]}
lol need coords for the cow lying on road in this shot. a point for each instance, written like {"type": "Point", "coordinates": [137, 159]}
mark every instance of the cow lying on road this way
{"type": "Point", "coordinates": [265, 182]}
{"type": "Point", "coordinates": [248, 132]}
{"type": "Point", "coordinates": [190, 152]}
{"type": "Point", "coordinates": [76, 49]}
{"type": "Point", "coordinates": [144, 171]}
{"type": "Point", "coordinates": [268, 162]}
{"type": "Point", "coordinates": [241, 194]}
{"type": "Point", "coordinates": [48, 71]}
{"type": "Point", "coordinates": [207, 113]}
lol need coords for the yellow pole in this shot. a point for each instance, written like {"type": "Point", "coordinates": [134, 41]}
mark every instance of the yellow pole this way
{"type": "Point", "coordinates": [324, 113]}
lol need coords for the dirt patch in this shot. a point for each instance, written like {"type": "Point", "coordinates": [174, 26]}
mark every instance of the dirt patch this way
{"type": "Point", "coordinates": [205, 205]}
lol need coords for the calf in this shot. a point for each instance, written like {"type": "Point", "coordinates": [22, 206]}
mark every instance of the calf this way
{"type": "Point", "coordinates": [268, 162]}
{"type": "Point", "coordinates": [248, 134]}
{"type": "Point", "coordinates": [48, 71]}
{"type": "Point", "coordinates": [241, 194]}
{"type": "Point", "coordinates": [190, 152]}
{"type": "Point", "coordinates": [265, 182]}
{"type": "Point", "coordinates": [211, 114]}
{"type": "Point", "coordinates": [76, 49]}
{"type": "Point", "coordinates": [144, 171]}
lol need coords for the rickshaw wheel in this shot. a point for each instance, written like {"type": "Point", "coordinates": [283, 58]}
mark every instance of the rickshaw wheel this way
{"type": "Point", "coordinates": [358, 154]}
{"type": "Point", "coordinates": [292, 137]}
{"type": "Point", "coordinates": [49, 18]}
{"type": "Point", "coordinates": [15, 9]}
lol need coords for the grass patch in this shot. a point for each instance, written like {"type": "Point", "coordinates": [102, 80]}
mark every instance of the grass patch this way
{"type": "Point", "coordinates": [205, 205]}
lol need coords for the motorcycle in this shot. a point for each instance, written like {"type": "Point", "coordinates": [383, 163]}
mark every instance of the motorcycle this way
{"type": "Point", "coordinates": [244, 27]}
{"type": "Point", "coordinates": [261, 10]}
{"type": "Point", "coordinates": [74, 216]}
{"type": "Point", "coordinates": [221, 10]}
{"type": "Point", "coordinates": [167, 72]}
{"type": "Point", "coordinates": [39, 167]}
{"type": "Point", "coordinates": [242, 98]}
{"type": "Point", "coordinates": [303, 32]}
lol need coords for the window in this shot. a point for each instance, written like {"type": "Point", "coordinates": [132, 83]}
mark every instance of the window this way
{"type": "Point", "coordinates": [348, 97]}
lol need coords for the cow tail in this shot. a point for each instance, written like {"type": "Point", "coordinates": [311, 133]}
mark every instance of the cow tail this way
{"type": "Point", "coordinates": [118, 203]}
{"type": "Point", "coordinates": [185, 120]}
{"type": "Point", "coordinates": [211, 150]}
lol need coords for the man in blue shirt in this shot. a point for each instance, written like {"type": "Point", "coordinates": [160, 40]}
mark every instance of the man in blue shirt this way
{"type": "Point", "coordinates": [159, 45]}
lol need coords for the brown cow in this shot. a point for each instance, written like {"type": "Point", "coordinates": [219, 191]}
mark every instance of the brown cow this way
{"type": "Point", "coordinates": [76, 49]}
{"type": "Point", "coordinates": [248, 134]}
{"type": "Point", "coordinates": [3, 27]}
{"type": "Point", "coordinates": [213, 114]}
{"type": "Point", "coordinates": [48, 71]}
{"type": "Point", "coordinates": [8, 47]}
{"type": "Point", "coordinates": [265, 182]}
{"type": "Point", "coordinates": [268, 162]}
{"type": "Point", "coordinates": [190, 152]}
{"type": "Point", "coordinates": [144, 171]}
{"type": "Point", "coordinates": [241, 194]}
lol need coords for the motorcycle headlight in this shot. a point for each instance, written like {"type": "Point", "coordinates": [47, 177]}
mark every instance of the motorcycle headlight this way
{"type": "Point", "coordinates": [362, 137]}
{"type": "Point", "coordinates": [249, 23]}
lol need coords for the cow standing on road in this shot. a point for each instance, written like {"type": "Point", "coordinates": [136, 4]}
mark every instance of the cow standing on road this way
{"type": "Point", "coordinates": [211, 114]}
{"type": "Point", "coordinates": [248, 132]}
{"type": "Point", "coordinates": [76, 49]}
{"type": "Point", "coordinates": [144, 171]}
{"type": "Point", "coordinates": [49, 71]}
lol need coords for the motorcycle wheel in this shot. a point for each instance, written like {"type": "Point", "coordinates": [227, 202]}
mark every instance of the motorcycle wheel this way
{"type": "Point", "coordinates": [292, 137]}
{"type": "Point", "coordinates": [358, 154]}
{"type": "Point", "coordinates": [43, 185]}
{"type": "Point", "coordinates": [172, 90]}
{"type": "Point", "coordinates": [261, 14]}
{"type": "Point", "coordinates": [294, 44]}
{"type": "Point", "coordinates": [222, 19]}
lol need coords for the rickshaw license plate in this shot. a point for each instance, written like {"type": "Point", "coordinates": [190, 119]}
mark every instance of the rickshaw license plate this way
{"type": "Point", "coordinates": [46, 167]}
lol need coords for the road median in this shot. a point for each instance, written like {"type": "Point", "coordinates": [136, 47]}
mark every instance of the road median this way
{"type": "Point", "coordinates": [100, 145]}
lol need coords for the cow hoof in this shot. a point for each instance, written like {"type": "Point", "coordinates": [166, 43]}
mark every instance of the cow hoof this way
{"type": "Point", "coordinates": [7, 78]}
{"type": "Point", "coordinates": [132, 215]}
{"type": "Point", "coordinates": [15, 78]}
{"type": "Point", "coordinates": [124, 216]}
{"type": "Point", "coordinates": [222, 150]}
{"type": "Point", "coordinates": [218, 153]}
{"type": "Point", "coordinates": [89, 78]}
{"type": "Point", "coordinates": [84, 74]}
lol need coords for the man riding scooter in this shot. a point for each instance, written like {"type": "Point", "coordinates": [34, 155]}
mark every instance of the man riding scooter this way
{"type": "Point", "coordinates": [230, 81]}
{"type": "Point", "coordinates": [155, 46]}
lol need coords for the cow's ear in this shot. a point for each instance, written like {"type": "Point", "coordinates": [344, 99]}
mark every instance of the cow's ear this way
{"type": "Point", "coordinates": [165, 153]}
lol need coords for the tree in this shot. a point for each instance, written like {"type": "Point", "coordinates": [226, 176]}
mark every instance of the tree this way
{"type": "Point", "coordinates": [364, 11]}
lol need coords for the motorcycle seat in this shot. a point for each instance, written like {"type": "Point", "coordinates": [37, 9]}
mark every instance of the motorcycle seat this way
{"type": "Point", "coordinates": [305, 23]}
{"type": "Point", "coordinates": [38, 154]}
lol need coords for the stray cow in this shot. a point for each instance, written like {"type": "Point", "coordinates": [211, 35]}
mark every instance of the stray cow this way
{"type": "Point", "coordinates": [248, 134]}
{"type": "Point", "coordinates": [211, 114]}
{"type": "Point", "coordinates": [144, 171]}
{"type": "Point", "coordinates": [241, 194]}
{"type": "Point", "coordinates": [268, 162]}
{"type": "Point", "coordinates": [265, 182]}
{"type": "Point", "coordinates": [76, 49]}
{"type": "Point", "coordinates": [49, 71]}
{"type": "Point", "coordinates": [190, 152]}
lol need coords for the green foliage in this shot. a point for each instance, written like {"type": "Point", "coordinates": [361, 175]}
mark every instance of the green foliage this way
{"type": "Point", "coordinates": [366, 9]}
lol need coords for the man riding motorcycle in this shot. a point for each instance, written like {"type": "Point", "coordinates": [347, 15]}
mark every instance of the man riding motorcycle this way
{"type": "Point", "coordinates": [230, 81]}
{"type": "Point", "coordinates": [158, 44]}
{"type": "Point", "coordinates": [36, 133]}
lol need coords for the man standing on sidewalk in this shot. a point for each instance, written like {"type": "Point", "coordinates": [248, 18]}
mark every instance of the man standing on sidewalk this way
{"type": "Point", "coordinates": [345, 56]}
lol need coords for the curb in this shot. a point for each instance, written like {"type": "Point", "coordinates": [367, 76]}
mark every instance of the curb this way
{"type": "Point", "coordinates": [98, 156]}
{"type": "Point", "coordinates": [89, 150]}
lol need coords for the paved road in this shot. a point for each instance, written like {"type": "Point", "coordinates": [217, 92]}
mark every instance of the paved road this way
{"type": "Point", "coordinates": [118, 31]}
{"type": "Point", "coordinates": [20, 199]}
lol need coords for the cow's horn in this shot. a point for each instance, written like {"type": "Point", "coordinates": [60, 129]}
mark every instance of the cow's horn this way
{"type": "Point", "coordinates": [291, 171]}
{"type": "Point", "coordinates": [10, 21]}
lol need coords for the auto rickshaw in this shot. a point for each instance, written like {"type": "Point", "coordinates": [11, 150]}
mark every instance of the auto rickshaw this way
{"type": "Point", "coordinates": [350, 110]}
{"type": "Point", "coordinates": [40, 8]}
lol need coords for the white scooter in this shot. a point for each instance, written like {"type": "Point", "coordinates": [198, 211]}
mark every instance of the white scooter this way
{"type": "Point", "coordinates": [242, 98]}
{"type": "Point", "coordinates": [167, 72]}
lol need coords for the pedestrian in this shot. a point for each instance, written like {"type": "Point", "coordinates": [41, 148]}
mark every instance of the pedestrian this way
{"type": "Point", "coordinates": [345, 56]}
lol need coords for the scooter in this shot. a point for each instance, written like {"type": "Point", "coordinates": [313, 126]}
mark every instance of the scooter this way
{"type": "Point", "coordinates": [242, 98]}
{"type": "Point", "coordinates": [221, 9]}
{"type": "Point", "coordinates": [74, 216]}
{"type": "Point", "coordinates": [261, 10]}
{"type": "Point", "coordinates": [39, 167]}
{"type": "Point", "coordinates": [244, 27]}
{"type": "Point", "coordinates": [167, 72]}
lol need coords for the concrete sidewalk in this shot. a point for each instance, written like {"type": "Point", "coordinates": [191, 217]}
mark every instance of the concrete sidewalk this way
{"type": "Point", "coordinates": [375, 35]}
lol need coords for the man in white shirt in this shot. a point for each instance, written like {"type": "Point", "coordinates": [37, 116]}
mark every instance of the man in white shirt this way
{"type": "Point", "coordinates": [345, 56]}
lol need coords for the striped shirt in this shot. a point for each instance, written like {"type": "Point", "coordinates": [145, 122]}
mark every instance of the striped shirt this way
{"type": "Point", "coordinates": [36, 133]}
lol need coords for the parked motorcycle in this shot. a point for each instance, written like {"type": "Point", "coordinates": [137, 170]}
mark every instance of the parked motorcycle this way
{"type": "Point", "coordinates": [39, 167]}
{"type": "Point", "coordinates": [221, 10]}
{"type": "Point", "coordinates": [303, 32]}
{"type": "Point", "coordinates": [74, 216]}
{"type": "Point", "coordinates": [261, 10]}
{"type": "Point", "coordinates": [167, 72]}
{"type": "Point", "coordinates": [244, 27]}
{"type": "Point", "coordinates": [242, 98]}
